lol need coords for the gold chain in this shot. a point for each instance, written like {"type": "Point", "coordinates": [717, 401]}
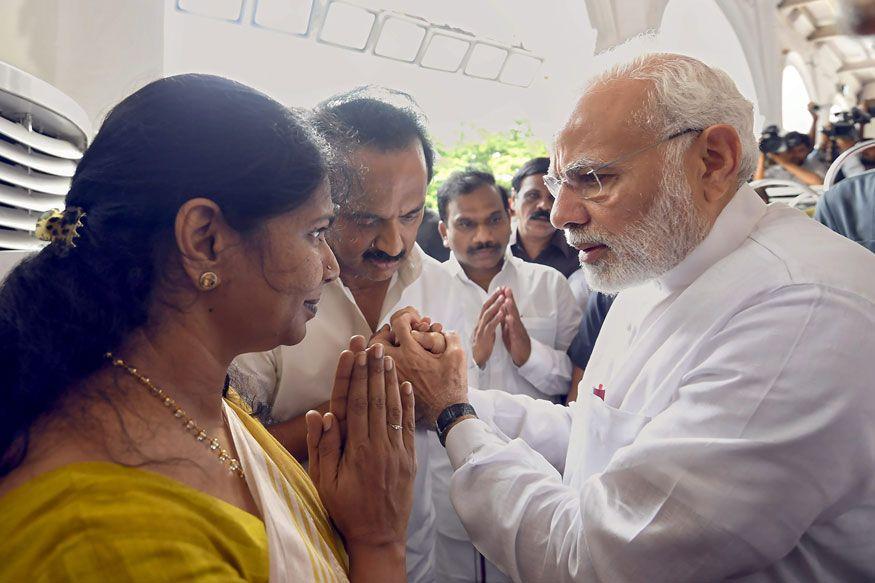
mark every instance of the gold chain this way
{"type": "Point", "coordinates": [184, 418]}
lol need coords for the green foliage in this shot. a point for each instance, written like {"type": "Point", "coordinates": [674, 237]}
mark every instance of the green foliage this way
{"type": "Point", "coordinates": [502, 153]}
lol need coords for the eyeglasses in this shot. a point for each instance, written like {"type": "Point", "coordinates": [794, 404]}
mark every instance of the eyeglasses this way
{"type": "Point", "coordinates": [586, 182]}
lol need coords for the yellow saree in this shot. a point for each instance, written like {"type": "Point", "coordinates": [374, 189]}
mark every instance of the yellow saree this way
{"type": "Point", "coordinates": [100, 521]}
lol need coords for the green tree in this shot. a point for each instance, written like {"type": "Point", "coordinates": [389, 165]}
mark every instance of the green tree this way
{"type": "Point", "coordinates": [501, 153]}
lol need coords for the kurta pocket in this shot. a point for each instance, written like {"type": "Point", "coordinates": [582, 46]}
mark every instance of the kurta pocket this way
{"type": "Point", "coordinates": [597, 432]}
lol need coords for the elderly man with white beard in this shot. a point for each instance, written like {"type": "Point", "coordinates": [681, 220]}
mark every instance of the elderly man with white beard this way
{"type": "Point", "coordinates": [724, 428]}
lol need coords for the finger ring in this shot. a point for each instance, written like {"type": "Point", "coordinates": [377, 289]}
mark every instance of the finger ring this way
{"type": "Point", "coordinates": [395, 427]}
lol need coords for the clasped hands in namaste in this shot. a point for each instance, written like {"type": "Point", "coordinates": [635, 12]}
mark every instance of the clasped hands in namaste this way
{"type": "Point", "coordinates": [361, 453]}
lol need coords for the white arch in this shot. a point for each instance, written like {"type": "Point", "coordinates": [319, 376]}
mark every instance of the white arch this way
{"type": "Point", "coordinates": [755, 24]}
{"type": "Point", "coordinates": [795, 97]}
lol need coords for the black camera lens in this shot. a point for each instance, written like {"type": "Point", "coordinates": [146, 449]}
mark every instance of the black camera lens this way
{"type": "Point", "coordinates": [771, 141]}
{"type": "Point", "coordinates": [843, 129]}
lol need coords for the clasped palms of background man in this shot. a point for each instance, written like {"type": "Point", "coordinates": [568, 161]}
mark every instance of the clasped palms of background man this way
{"type": "Point", "coordinates": [500, 308]}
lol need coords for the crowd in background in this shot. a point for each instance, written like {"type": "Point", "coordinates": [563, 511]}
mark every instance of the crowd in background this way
{"type": "Point", "coordinates": [806, 157]}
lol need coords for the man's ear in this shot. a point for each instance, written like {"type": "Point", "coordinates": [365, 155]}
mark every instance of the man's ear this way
{"type": "Point", "coordinates": [202, 234]}
{"type": "Point", "coordinates": [720, 159]}
{"type": "Point", "coordinates": [442, 229]}
{"type": "Point", "coordinates": [512, 202]}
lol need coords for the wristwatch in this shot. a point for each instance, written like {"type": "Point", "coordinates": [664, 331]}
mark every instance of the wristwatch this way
{"type": "Point", "coordinates": [448, 417]}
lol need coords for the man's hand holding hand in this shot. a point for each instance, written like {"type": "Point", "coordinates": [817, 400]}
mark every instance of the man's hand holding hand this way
{"type": "Point", "coordinates": [439, 379]}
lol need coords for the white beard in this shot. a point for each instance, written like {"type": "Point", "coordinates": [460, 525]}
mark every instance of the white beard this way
{"type": "Point", "coordinates": [648, 248]}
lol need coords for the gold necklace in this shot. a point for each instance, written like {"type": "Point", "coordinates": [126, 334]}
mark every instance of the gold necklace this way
{"type": "Point", "coordinates": [184, 418]}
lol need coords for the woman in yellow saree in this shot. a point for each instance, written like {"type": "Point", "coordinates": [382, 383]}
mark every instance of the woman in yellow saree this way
{"type": "Point", "coordinates": [193, 232]}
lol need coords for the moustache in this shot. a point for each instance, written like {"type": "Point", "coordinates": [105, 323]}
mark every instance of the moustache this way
{"type": "Point", "coordinates": [377, 255]}
{"type": "Point", "coordinates": [579, 239]}
{"type": "Point", "coordinates": [540, 215]}
{"type": "Point", "coordinates": [482, 246]}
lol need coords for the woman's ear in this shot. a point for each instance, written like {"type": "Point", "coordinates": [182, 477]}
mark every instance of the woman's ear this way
{"type": "Point", "coordinates": [202, 234]}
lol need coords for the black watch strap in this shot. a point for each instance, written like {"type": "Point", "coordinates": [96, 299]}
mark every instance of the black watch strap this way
{"type": "Point", "coordinates": [448, 416]}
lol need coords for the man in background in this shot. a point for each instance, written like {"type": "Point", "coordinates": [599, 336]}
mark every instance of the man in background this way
{"type": "Point", "coordinates": [429, 238]}
{"type": "Point", "coordinates": [516, 320]}
{"type": "Point", "coordinates": [795, 163]}
{"type": "Point", "coordinates": [535, 239]}
{"type": "Point", "coordinates": [519, 317]}
{"type": "Point", "coordinates": [386, 162]}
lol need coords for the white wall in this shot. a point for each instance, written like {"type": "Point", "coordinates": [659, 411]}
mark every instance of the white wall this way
{"type": "Point", "coordinates": [98, 51]}
{"type": "Point", "coordinates": [302, 72]}
{"type": "Point", "coordinates": [95, 51]}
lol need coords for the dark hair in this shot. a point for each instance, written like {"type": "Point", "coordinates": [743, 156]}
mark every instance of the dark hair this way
{"type": "Point", "coordinates": [793, 139]}
{"type": "Point", "coordinates": [374, 117]}
{"type": "Point", "coordinates": [175, 139]}
{"type": "Point", "coordinates": [530, 168]}
{"type": "Point", "coordinates": [466, 182]}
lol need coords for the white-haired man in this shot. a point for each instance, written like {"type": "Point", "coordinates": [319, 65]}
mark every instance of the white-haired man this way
{"type": "Point", "coordinates": [724, 427]}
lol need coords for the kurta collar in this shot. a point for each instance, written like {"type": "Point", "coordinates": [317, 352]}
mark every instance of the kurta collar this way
{"type": "Point", "coordinates": [731, 228]}
{"type": "Point", "coordinates": [557, 240]}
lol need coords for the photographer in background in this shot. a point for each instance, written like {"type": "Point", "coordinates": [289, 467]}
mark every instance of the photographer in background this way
{"type": "Point", "coordinates": [841, 136]}
{"type": "Point", "coordinates": [790, 157]}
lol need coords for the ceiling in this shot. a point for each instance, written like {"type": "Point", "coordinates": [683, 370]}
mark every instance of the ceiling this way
{"type": "Point", "coordinates": [814, 22]}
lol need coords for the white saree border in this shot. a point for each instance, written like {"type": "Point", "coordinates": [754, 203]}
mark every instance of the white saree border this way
{"type": "Point", "coordinates": [295, 549]}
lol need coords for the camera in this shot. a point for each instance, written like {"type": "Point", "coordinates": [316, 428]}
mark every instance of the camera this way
{"type": "Point", "coordinates": [846, 126]}
{"type": "Point", "coordinates": [772, 142]}
{"type": "Point", "coordinates": [859, 116]}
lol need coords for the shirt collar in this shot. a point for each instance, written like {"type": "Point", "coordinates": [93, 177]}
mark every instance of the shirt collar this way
{"type": "Point", "coordinates": [731, 228]}
{"type": "Point", "coordinates": [455, 268]}
{"type": "Point", "coordinates": [558, 241]}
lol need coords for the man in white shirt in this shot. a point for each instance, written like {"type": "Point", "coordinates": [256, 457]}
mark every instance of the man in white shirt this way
{"type": "Point", "coordinates": [516, 317]}
{"type": "Point", "coordinates": [387, 161]}
{"type": "Point", "coordinates": [516, 320]}
{"type": "Point", "coordinates": [724, 425]}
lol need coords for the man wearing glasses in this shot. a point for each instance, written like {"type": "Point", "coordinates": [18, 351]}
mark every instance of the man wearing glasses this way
{"type": "Point", "coordinates": [724, 425]}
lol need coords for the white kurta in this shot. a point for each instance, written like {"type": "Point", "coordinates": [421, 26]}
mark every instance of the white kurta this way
{"type": "Point", "coordinates": [737, 434]}
{"type": "Point", "coordinates": [551, 316]}
{"type": "Point", "coordinates": [295, 379]}
{"type": "Point", "coordinates": [547, 309]}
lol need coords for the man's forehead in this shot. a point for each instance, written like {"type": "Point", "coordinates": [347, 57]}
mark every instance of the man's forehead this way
{"type": "Point", "coordinates": [532, 182]}
{"type": "Point", "coordinates": [376, 155]}
{"type": "Point", "coordinates": [383, 179]}
{"type": "Point", "coordinates": [605, 122]}
{"type": "Point", "coordinates": [381, 202]}
{"type": "Point", "coordinates": [484, 200]}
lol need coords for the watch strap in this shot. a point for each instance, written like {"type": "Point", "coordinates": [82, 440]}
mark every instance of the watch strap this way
{"type": "Point", "coordinates": [448, 417]}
